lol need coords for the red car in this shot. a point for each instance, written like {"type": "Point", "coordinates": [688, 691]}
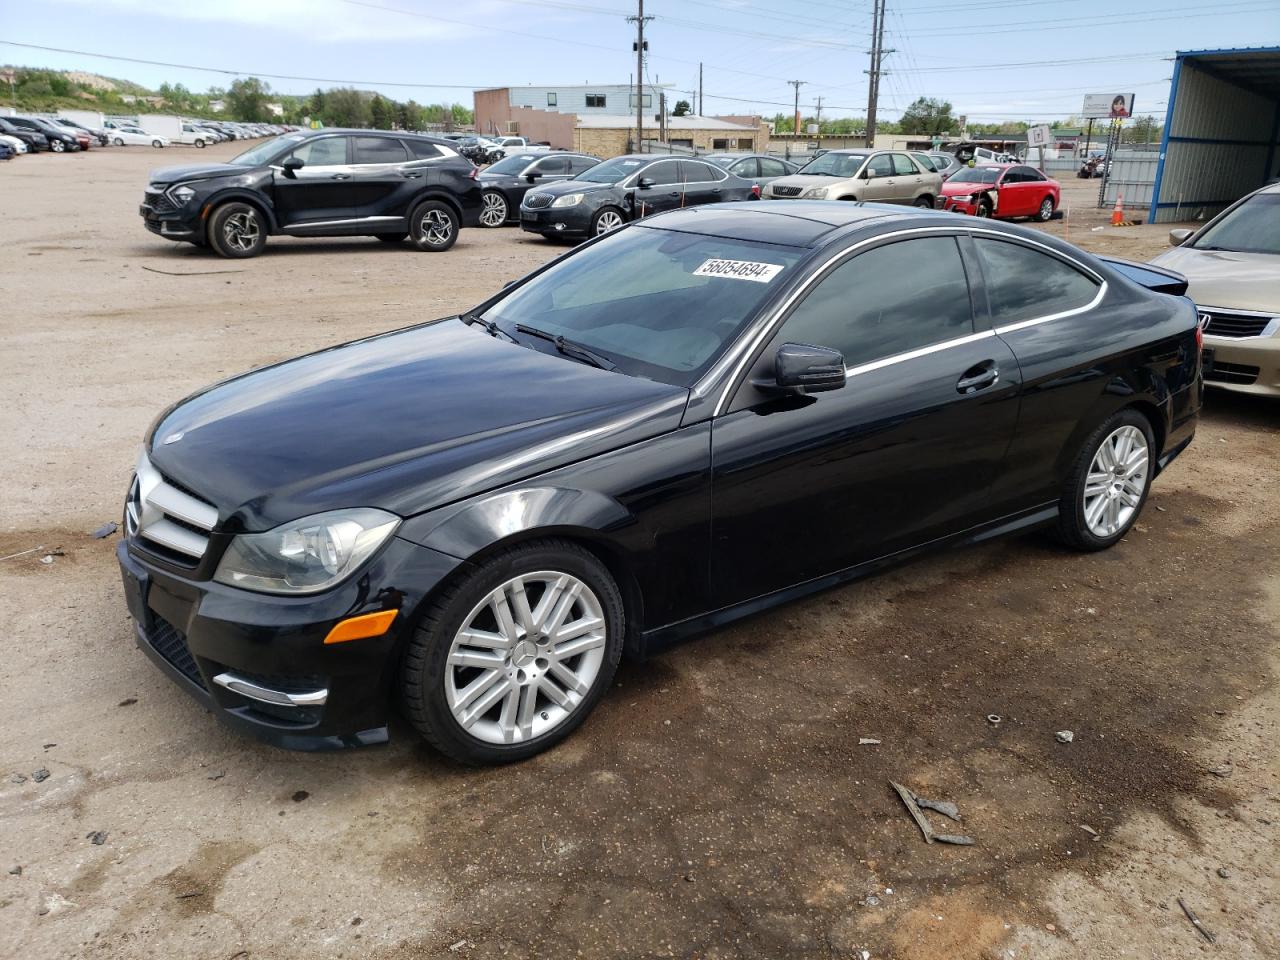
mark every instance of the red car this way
{"type": "Point", "coordinates": [1002, 190]}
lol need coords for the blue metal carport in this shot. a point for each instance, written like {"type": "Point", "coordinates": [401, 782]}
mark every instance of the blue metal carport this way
{"type": "Point", "coordinates": [1221, 131]}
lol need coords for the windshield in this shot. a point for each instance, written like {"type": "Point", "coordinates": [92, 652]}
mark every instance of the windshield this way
{"type": "Point", "coordinates": [262, 152]}
{"type": "Point", "coordinates": [512, 165]}
{"type": "Point", "coordinates": [976, 175]}
{"type": "Point", "coordinates": [1252, 227]}
{"type": "Point", "coordinates": [834, 165]}
{"type": "Point", "coordinates": [611, 171]}
{"type": "Point", "coordinates": [659, 304]}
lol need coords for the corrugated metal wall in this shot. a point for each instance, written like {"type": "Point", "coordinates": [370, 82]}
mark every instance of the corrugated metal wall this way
{"type": "Point", "coordinates": [1200, 178]}
{"type": "Point", "coordinates": [1133, 176]}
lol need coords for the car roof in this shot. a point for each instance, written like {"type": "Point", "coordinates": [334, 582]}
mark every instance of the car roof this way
{"type": "Point", "coordinates": [797, 223]}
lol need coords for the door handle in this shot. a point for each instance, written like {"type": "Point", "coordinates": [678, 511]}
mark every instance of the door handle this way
{"type": "Point", "coordinates": [410, 176]}
{"type": "Point", "coordinates": [716, 191]}
{"type": "Point", "coordinates": [978, 377]}
{"type": "Point", "coordinates": [340, 176]}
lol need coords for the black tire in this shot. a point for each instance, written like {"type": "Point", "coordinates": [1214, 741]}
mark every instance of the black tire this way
{"type": "Point", "coordinates": [57, 146]}
{"type": "Point", "coordinates": [494, 204]}
{"type": "Point", "coordinates": [237, 231]}
{"type": "Point", "coordinates": [925, 202]}
{"type": "Point", "coordinates": [983, 209]}
{"type": "Point", "coordinates": [391, 237]}
{"type": "Point", "coordinates": [433, 226]}
{"type": "Point", "coordinates": [422, 673]}
{"type": "Point", "coordinates": [1073, 529]}
{"type": "Point", "coordinates": [157, 144]}
{"type": "Point", "coordinates": [199, 143]}
{"type": "Point", "coordinates": [1045, 213]}
{"type": "Point", "coordinates": [600, 214]}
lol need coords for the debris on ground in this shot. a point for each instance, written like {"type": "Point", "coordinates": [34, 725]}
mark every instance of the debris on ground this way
{"type": "Point", "coordinates": [188, 273]}
{"type": "Point", "coordinates": [15, 871]}
{"type": "Point", "coordinates": [127, 702]}
{"type": "Point", "coordinates": [300, 795]}
{"type": "Point", "coordinates": [1094, 834]}
{"type": "Point", "coordinates": [106, 530]}
{"type": "Point", "coordinates": [1224, 873]}
{"type": "Point", "coordinates": [455, 947]}
{"type": "Point", "coordinates": [22, 553]}
{"type": "Point", "coordinates": [868, 742]}
{"type": "Point", "coordinates": [1195, 922]}
{"type": "Point", "coordinates": [41, 775]}
{"type": "Point", "coordinates": [914, 804]}
{"type": "Point", "coordinates": [994, 718]}
{"type": "Point", "coordinates": [188, 894]}
{"type": "Point", "coordinates": [217, 776]}
{"type": "Point", "coordinates": [1223, 770]}
{"type": "Point", "coordinates": [1065, 736]}
{"type": "Point", "coordinates": [18, 778]}
{"type": "Point", "coordinates": [96, 837]}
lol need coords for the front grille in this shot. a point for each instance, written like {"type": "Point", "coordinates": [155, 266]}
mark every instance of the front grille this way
{"type": "Point", "coordinates": [171, 643]}
{"type": "Point", "coordinates": [167, 515]}
{"type": "Point", "coordinates": [784, 191]}
{"type": "Point", "coordinates": [1240, 373]}
{"type": "Point", "coordinates": [537, 201]}
{"type": "Point", "coordinates": [1234, 323]}
{"type": "Point", "coordinates": [159, 202]}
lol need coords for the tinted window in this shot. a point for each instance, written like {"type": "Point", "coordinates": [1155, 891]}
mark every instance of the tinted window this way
{"type": "Point", "coordinates": [1031, 174]}
{"type": "Point", "coordinates": [326, 151]}
{"type": "Point", "coordinates": [746, 168]}
{"type": "Point", "coordinates": [379, 150]}
{"type": "Point", "coordinates": [1023, 283]}
{"type": "Point", "coordinates": [694, 171]}
{"type": "Point", "coordinates": [423, 150]}
{"type": "Point", "coordinates": [664, 173]}
{"type": "Point", "coordinates": [866, 309]}
{"type": "Point", "coordinates": [881, 166]}
{"type": "Point", "coordinates": [611, 171]}
{"type": "Point", "coordinates": [773, 168]}
{"type": "Point", "coordinates": [902, 165]}
{"type": "Point", "coordinates": [1252, 227]}
{"type": "Point", "coordinates": [553, 165]}
{"type": "Point", "coordinates": [581, 164]}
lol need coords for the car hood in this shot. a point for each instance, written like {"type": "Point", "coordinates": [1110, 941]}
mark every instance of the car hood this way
{"type": "Point", "coordinates": [197, 171]}
{"type": "Point", "coordinates": [808, 180]}
{"type": "Point", "coordinates": [405, 422]}
{"type": "Point", "coordinates": [573, 186]}
{"type": "Point", "coordinates": [951, 189]}
{"type": "Point", "coordinates": [1221, 278]}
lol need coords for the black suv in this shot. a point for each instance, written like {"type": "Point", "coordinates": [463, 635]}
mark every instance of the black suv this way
{"type": "Point", "coordinates": [34, 139]}
{"type": "Point", "coordinates": [319, 183]}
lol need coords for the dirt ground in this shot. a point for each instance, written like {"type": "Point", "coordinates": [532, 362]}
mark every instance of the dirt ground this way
{"type": "Point", "coordinates": [719, 804]}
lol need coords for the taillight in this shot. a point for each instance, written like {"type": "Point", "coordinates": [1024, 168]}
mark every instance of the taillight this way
{"type": "Point", "coordinates": [755, 190]}
{"type": "Point", "coordinates": [475, 172]}
{"type": "Point", "coordinates": [1199, 338]}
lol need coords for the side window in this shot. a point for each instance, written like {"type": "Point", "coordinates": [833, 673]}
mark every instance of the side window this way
{"type": "Point", "coordinates": [324, 152]}
{"type": "Point", "coordinates": [1014, 175]}
{"type": "Point", "coordinates": [880, 166]}
{"type": "Point", "coordinates": [579, 165]}
{"type": "Point", "coordinates": [902, 165]}
{"type": "Point", "coordinates": [927, 162]}
{"type": "Point", "coordinates": [423, 149]}
{"type": "Point", "coordinates": [1031, 174]}
{"type": "Point", "coordinates": [1023, 284]}
{"type": "Point", "coordinates": [379, 150]}
{"type": "Point", "coordinates": [664, 173]}
{"type": "Point", "coordinates": [746, 168]}
{"type": "Point", "coordinates": [552, 166]}
{"type": "Point", "coordinates": [695, 171]}
{"type": "Point", "coordinates": [772, 168]}
{"type": "Point", "coordinates": [865, 309]}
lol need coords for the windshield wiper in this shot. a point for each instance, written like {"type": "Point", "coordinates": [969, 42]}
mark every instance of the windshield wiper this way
{"type": "Point", "coordinates": [569, 348]}
{"type": "Point", "coordinates": [489, 326]}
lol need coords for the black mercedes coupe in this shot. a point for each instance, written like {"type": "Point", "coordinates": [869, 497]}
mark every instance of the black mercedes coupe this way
{"type": "Point", "coordinates": [679, 423]}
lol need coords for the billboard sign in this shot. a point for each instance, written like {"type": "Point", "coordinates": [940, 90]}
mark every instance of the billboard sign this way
{"type": "Point", "coordinates": [1107, 106]}
{"type": "Point", "coordinates": [1038, 136]}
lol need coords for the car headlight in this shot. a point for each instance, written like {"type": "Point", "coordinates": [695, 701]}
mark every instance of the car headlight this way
{"type": "Point", "coordinates": [964, 199]}
{"type": "Point", "coordinates": [182, 194]}
{"type": "Point", "coordinates": [568, 200]}
{"type": "Point", "coordinates": [307, 555]}
{"type": "Point", "coordinates": [814, 193]}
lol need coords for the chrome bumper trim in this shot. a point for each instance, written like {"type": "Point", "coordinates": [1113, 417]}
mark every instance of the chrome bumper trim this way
{"type": "Point", "coordinates": [247, 688]}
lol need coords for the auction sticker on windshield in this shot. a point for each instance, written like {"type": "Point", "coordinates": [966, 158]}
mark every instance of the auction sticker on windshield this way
{"type": "Point", "coordinates": [739, 270]}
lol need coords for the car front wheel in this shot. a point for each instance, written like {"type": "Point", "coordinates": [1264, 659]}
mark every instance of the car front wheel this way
{"type": "Point", "coordinates": [510, 660]}
{"type": "Point", "coordinates": [1046, 210]}
{"type": "Point", "coordinates": [1108, 483]}
{"type": "Point", "coordinates": [606, 220]}
{"type": "Point", "coordinates": [200, 144]}
{"type": "Point", "coordinates": [57, 146]}
{"type": "Point", "coordinates": [494, 212]}
{"type": "Point", "coordinates": [118, 142]}
{"type": "Point", "coordinates": [433, 226]}
{"type": "Point", "coordinates": [237, 231]}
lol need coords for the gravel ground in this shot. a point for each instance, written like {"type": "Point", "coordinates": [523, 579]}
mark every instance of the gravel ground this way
{"type": "Point", "coordinates": [719, 803]}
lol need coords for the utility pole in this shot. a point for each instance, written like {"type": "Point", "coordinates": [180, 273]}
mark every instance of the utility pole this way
{"type": "Point", "coordinates": [877, 58]}
{"type": "Point", "coordinates": [818, 116]}
{"type": "Point", "coordinates": [639, 20]}
{"type": "Point", "coordinates": [700, 113]}
{"type": "Point", "coordinates": [797, 84]}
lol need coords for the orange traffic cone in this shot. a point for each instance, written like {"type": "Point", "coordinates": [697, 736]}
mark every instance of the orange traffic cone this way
{"type": "Point", "coordinates": [1117, 213]}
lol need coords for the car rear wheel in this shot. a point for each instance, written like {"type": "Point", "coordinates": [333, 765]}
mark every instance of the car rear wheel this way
{"type": "Point", "coordinates": [1108, 483]}
{"type": "Point", "coordinates": [200, 143]}
{"type": "Point", "coordinates": [606, 220]}
{"type": "Point", "coordinates": [157, 144]}
{"type": "Point", "coordinates": [509, 660]}
{"type": "Point", "coordinates": [237, 231]}
{"type": "Point", "coordinates": [433, 226]}
{"type": "Point", "coordinates": [120, 143]}
{"type": "Point", "coordinates": [494, 212]}
{"type": "Point", "coordinates": [1045, 213]}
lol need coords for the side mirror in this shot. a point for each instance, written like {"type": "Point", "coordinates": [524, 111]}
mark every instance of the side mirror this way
{"type": "Point", "coordinates": [865, 175]}
{"type": "Point", "coordinates": [644, 183]}
{"type": "Point", "coordinates": [804, 368]}
{"type": "Point", "coordinates": [291, 166]}
{"type": "Point", "coordinates": [1179, 237]}
{"type": "Point", "coordinates": [531, 176]}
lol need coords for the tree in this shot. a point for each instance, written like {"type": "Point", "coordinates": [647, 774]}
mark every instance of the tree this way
{"type": "Point", "coordinates": [247, 100]}
{"type": "Point", "coordinates": [927, 115]}
{"type": "Point", "coordinates": [381, 113]}
{"type": "Point", "coordinates": [345, 107]}
{"type": "Point", "coordinates": [682, 109]}
{"type": "Point", "coordinates": [1144, 130]}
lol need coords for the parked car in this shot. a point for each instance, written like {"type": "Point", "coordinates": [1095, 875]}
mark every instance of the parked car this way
{"type": "Point", "coordinates": [683, 422]}
{"type": "Point", "coordinates": [16, 144]}
{"type": "Point", "coordinates": [83, 137]}
{"type": "Point", "coordinates": [192, 135]}
{"type": "Point", "coordinates": [946, 164]}
{"type": "Point", "coordinates": [503, 146]}
{"type": "Point", "coordinates": [759, 168]}
{"type": "Point", "coordinates": [59, 140]}
{"type": "Point", "coordinates": [136, 136]}
{"type": "Point", "coordinates": [319, 183]}
{"type": "Point", "coordinates": [1005, 192]}
{"type": "Point", "coordinates": [623, 189]}
{"type": "Point", "coordinates": [33, 137]}
{"type": "Point", "coordinates": [1233, 265]}
{"type": "Point", "coordinates": [7, 151]}
{"type": "Point", "coordinates": [96, 136]}
{"type": "Point", "coordinates": [884, 176]}
{"type": "Point", "coordinates": [507, 181]}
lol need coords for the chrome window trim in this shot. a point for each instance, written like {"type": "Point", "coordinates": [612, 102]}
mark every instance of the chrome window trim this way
{"type": "Point", "coordinates": [736, 358]}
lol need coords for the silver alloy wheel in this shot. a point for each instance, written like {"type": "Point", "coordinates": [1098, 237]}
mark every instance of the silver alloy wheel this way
{"type": "Point", "coordinates": [240, 231]}
{"type": "Point", "coordinates": [1046, 208]}
{"type": "Point", "coordinates": [1117, 478]}
{"type": "Point", "coordinates": [494, 212]}
{"type": "Point", "coordinates": [436, 226]}
{"type": "Point", "coordinates": [609, 220]}
{"type": "Point", "coordinates": [526, 657]}
{"type": "Point", "coordinates": [118, 142]}
{"type": "Point", "coordinates": [58, 146]}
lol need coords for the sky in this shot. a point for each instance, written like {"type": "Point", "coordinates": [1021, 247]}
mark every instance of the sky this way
{"type": "Point", "coordinates": [1013, 60]}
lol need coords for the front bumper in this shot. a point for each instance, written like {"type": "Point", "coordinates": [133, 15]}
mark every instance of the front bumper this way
{"type": "Point", "coordinates": [572, 221]}
{"type": "Point", "coordinates": [959, 206]}
{"type": "Point", "coordinates": [225, 646]}
{"type": "Point", "coordinates": [1245, 365]}
{"type": "Point", "coordinates": [180, 224]}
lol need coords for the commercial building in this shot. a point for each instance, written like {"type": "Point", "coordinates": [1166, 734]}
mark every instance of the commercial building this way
{"type": "Point", "coordinates": [1221, 132]}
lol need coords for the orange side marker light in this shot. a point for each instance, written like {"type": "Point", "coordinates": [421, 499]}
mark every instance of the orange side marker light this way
{"type": "Point", "coordinates": [362, 627]}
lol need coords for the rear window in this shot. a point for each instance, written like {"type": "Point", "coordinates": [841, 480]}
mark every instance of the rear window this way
{"type": "Point", "coordinates": [379, 150]}
{"type": "Point", "coordinates": [423, 149]}
{"type": "Point", "coordinates": [1023, 284]}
